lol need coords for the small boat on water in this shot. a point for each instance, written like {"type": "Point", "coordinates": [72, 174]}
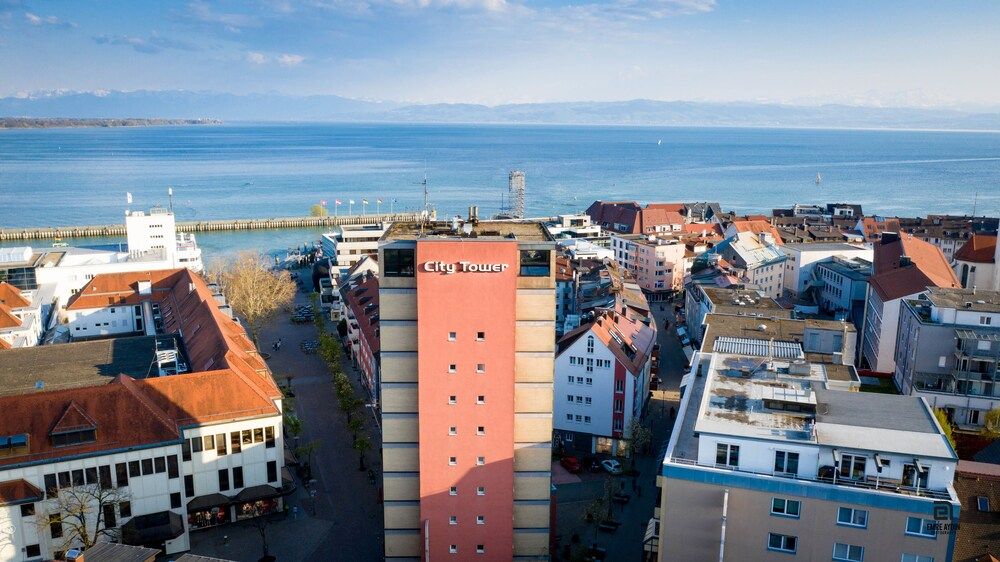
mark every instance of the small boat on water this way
{"type": "Point", "coordinates": [659, 142]}
{"type": "Point", "coordinates": [819, 179]}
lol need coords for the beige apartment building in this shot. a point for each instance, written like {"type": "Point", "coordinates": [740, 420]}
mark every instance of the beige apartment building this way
{"type": "Point", "coordinates": [467, 321]}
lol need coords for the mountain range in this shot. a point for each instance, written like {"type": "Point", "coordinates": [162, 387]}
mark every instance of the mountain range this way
{"type": "Point", "coordinates": [171, 104]}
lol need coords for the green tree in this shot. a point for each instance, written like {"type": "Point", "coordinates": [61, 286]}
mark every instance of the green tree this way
{"type": "Point", "coordinates": [361, 445]}
{"type": "Point", "coordinates": [639, 437]}
{"type": "Point", "coordinates": [318, 210]}
{"type": "Point", "coordinates": [991, 424]}
{"type": "Point", "coordinates": [356, 425]}
{"type": "Point", "coordinates": [942, 418]}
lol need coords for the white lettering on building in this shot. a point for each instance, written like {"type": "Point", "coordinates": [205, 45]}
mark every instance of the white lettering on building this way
{"type": "Point", "coordinates": [464, 267]}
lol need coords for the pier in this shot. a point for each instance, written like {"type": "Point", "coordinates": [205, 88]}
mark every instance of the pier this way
{"type": "Point", "coordinates": [35, 233]}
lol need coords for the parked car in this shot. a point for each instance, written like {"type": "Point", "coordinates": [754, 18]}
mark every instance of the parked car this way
{"type": "Point", "coordinates": [682, 334]}
{"type": "Point", "coordinates": [593, 464]}
{"type": "Point", "coordinates": [612, 466]}
{"type": "Point", "coordinates": [571, 464]}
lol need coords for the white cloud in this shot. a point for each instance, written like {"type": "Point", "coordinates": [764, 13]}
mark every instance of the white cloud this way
{"type": "Point", "coordinates": [290, 60]}
{"type": "Point", "coordinates": [256, 58]}
{"type": "Point", "coordinates": [39, 21]}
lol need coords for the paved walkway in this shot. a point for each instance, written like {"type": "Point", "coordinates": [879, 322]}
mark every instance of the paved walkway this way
{"type": "Point", "coordinates": [348, 523]}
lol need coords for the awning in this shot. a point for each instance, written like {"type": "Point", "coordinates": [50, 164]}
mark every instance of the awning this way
{"type": "Point", "coordinates": [254, 493]}
{"type": "Point", "coordinates": [207, 501]}
{"type": "Point", "coordinates": [153, 528]}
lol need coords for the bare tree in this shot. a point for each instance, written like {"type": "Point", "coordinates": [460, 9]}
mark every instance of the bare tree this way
{"type": "Point", "coordinates": [254, 290]}
{"type": "Point", "coordinates": [318, 210]}
{"type": "Point", "coordinates": [80, 512]}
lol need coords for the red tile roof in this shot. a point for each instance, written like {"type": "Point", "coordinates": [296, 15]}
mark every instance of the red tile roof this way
{"type": "Point", "coordinates": [228, 381]}
{"type": "Point", "coordinates": [928, 267]}
{"type": "Point", "coordinates": [637, 337]}
{"type": "Point", "coordinates": [873, 228]}
{"type": "Point", "coordinates": [362, 299]}
{"type": "Point", "coordinates": [4, 344]}
{"type": "Point", "coordinates": [19, 491]}
{"type": "Point", "coordinates": [980, 248]}
{"type": "Point", "coordinates": [7, 318]}
{"type": "Point", "coordinates": [12, 297]}
{"type": "Point", "coordinates": [73, 418]}
{"type": "Point", "coordinates": [757, 227]}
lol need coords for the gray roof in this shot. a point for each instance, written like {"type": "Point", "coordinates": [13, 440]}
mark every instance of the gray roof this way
{"type": "Point", "coordinates": [78, 364]}
{"type": "Point", "coordinates": [758, 347]}
{"type": "Point", "coordinates": [823, 246]}
{"type": "Point", "coordinates": [976, 300]}
{"type": "Point", "coordinates": [873, 410]}
{"type": "Point", "coordinates": [198, 558]}
{"type": "Point", "coordinates": [114, 552]}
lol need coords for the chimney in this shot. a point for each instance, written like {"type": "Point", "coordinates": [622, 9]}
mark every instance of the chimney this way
{"type": "Point", "coordinates": [145, 287]}
{"type": "Point", "coordinates": [905, 261]}
{"type": "Point", "coordinates": [889, 237]}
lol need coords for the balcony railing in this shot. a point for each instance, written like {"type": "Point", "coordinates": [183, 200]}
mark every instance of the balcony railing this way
{"type": "Point", "coordinates": [882, 485]}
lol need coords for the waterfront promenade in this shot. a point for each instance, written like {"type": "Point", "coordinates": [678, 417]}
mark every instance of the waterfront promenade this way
{"type": "Point", "coordinates": [35, 233]}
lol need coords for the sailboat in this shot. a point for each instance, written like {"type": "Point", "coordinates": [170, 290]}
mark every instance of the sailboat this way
{"type": "Point", "coordinates": [819, 179]}
{"type": "Point", "coordinates": [659, 142]}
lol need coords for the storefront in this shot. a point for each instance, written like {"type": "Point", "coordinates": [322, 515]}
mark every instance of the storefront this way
{"type": "Point", "coordinates": [208, 511]}
{"type": "Point", "coordinates": [257, 501]}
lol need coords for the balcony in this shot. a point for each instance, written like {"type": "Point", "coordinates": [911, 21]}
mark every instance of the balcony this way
{"type": "Point", "coordinates": [883, 485]}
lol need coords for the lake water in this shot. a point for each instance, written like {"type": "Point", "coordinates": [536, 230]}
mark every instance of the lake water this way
{"type": "Point", "coordinates": [80, 176]}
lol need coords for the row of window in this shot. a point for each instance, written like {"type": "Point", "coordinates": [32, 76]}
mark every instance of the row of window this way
{"type": "Point", "coordinates": [453, 399]}
{"type": "Point", "coordinates": [480, 430]}
{"type": "Point", "coordinates": [590, 362]}
{"type": "Point", "coordinates": [580, 380]}
{"type": "Point", "coordinates": [850, 466]}
{"type": "Point", "coordinates": [577, 418]}
{"type": "Point", "coordinates": [579, 399]}
{"type": "Point", "coordinates": [480, 549]}
{"type": "Point", "coordinates": [480, 368]}
{"type": "Point", "coordinates": [842, 552]}
{"type": "Point", "coordinates": [237, 439]}
{"type": "Point", "coordinates": [453, 336]}
{"type": "Point", "coordinates": [453, 461]}
{"type": "Point", "coordinates": [101, 475]}
{"type": "Point", "coordinates": [480, 520]}
{"type": "Point", "coordinates": [401, 262]}
{"type": "Point", "coordinates": [224, 480]}
{"type": "Point", "coordinates": [480, 491]}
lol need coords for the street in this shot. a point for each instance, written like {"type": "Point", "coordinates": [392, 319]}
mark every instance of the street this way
{"type": "Point", "coordinates": [626, 543]}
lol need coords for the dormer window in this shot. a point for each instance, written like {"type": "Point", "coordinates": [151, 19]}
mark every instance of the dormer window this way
{"type": "Point", "coordinates": [74, 437]}
{"type": "Point", "coordinates": [74, 427]}
{"type": "Point", "coordinates": [13, 445]}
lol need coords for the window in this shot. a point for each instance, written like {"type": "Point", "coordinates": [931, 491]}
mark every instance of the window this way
{"type": "Point", "coordinates": [125, 509]}
{"type": "Point", "coordinates": [209, 442]}
{"type": "Point", "coordinates": [110, 522]}
{"type": "Point", "coordinates": [175, 500]}
{"type": "Point", "coordinates": [247, 437]}
{"type": "Point", "coordinates": [481, 491]}
{"type": "Point", "coordinates": [223, 480]}
{"type": "Point", "coordinates": [570, 379]}
{"type": "Point", "coordinates": [453, 549]}
{"type": "Point", "coordinates": [147, 467]}
{"type": "Point", "coordinates": [398, 262]}
{"type": "Point", "coordinates": [196, 444]}
{"type": "Point", "coordinates": [481, 430]}
{"type": "Point", "coordinates": [33, 551]}
{"type": "Point", "coordinates": [480, 549]}
{"type": "Point", "coordinates": [452, 336]}
{"type": "Point", "coordinates": [64, 480]}
{"type": "Point", "coordinates": [848, 552]}
{"type": "Point", "coordinates": [852, 517]}
{"type": "Point", "coordinates": [452, 399]}
{"type": "Point", "coordinates": [121, 475]}
{"type": "Point", "coordinates": [916, 558]}
{"type": "Point", "coordinates": [785, 508]}
{"type": "Point", "coordinates": [160, 465]}
{"type": "Point", "coordinates": [268, 438]}
{"type": "Point", "coordinates": [186, 450]}
{"type": "Point", "coordinates": [569, 417]}
{"type": "Point", "coordinates": [91, 475]}
{"type": "Point", "coordinates": [586, 419]}
{"type": "Point", "coordinates": [453, 520]}
{"type": "Point", "coordinates": [189, 485]}
{"type": "Point", "coordinates": [985, 320]}
{"type": "Point", "coordinates": [786, 462]}
{"type": "Point", "coordinates": [481, 399]}
{"type": "Point", "coordinates": [74, 437]}
{"type": "Point", "coordinates": [453, 491]}
{"type": "Point", "coordinates": [983, 503]}
{"type": "Point", "coordinates": [77, 477]}
{"type": "Point", "coordinates": [852, 467]}
{"type": "Point", "coordinates": [51, 488]}
{"type": "Point", "coordinates": [480, 367]}
{"type": "Point", "coordinates": [569, 398]}
{"type": "Point", "coordinates": [579, 399]}
{"type": "Point", "coordinates": [590, 344]}
{"type": "Point", "coordinates": [782, 543]}
{"type": "Point", "coordinates": [535, 263]}
{"type": "Point", "coordinates": [727, 455]}
{"type": "Point", "coordinates": [480, 461]}
{"type": "Point", "coordinates": [258, 435]}
{"type": "Point", "coordinates": [590, 381]}
{"type": "Point", "coordinates": [452, 461]}
{"type": "Point", "coordinates": [234, 442]}
{"type": "Point", "coordinates": [920, 527]}
{"type": "Point", "coordinates": [55, 526]}
{"type": "Point", "coordinates": [272, 471]}
{"type": "Point", "coordinates": [588, 400]}
{"type": "Point", "coordinates": [480, 520]}
{"type": "Point", "coordinates": [453, 368]}
{"type": "Point", "coordinates": [27, 509]}
{"type": "Point", "coordinates": [105, 477]}
{"type": "Point", "coordinates": [238, 477]}
{"type": "Point", "coordinates": [480, 336]}
{"type": "Point", "coordinates": [453, 430]}
{"type": "Point", "coordinates": [578, 417]}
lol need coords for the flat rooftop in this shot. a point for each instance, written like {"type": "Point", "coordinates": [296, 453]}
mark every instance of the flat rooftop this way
{"type": "Point", "coordinates": [522, 231]}
{"type": "Point", "coordinates": [824, 246]}
{"type": "Point", "coordinates": [853, 268]}
{"type": "Point", "coordinates": [79, 364]}
{"type": "Point", "coordinates": [743, 298]}
{"type": "Point", "coordinates": [764, 328]}
{"type": "Point", "coordinates": [965, 299]}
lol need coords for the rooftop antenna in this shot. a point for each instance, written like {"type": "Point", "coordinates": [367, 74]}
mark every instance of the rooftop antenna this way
{"type": "Point", "coordinates": [170, 198]}
{"type": "Point", "coordinates": [975, 201]}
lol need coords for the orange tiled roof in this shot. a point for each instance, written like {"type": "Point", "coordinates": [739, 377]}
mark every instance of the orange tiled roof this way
{"type": "Point", "coordinates": [117, 289]}
{"type": "Point", "coordinates": [980, 248]}
{"type": "Point", "coordinates": [7, 318]}
{"type": "Point", "coordinates": [12, 297]}
{"type": "Point", "coordinates": [873, 228]}
{"type": "Point", "coordinates": [632, 332]}
{"type": "Point", "coordinates": [928, 268]}
{"type": "Point", "coordinates": [757, 227]}
{"type": "Point", "coordinates": [4, 344]}
{"type": "Point", "coordinates": [363, 299]}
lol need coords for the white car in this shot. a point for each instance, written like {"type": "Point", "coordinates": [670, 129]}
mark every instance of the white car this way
{"type": "Point", "coordinates": [612, 466]}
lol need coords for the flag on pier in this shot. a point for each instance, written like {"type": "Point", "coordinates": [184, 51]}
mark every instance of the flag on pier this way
{"type": "Point", "coordinates": [351, 201]}
{"type": "Point", "coordinates": [364, 201]}
{"type": "Point", "coordinates": [379, 200]}
{"type": "Point", "coordinates": [128, 197]}
{"type": "Point", "coordinates": [323, 202]}
{"type": "Point", "coordinates": [338, 202]}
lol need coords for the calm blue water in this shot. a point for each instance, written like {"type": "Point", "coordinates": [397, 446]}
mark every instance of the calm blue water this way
{"type": "Point", "coordinates": [80, 176]}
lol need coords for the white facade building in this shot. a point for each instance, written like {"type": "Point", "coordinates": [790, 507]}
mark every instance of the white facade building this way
{"type": "Point", "coordinates": [802, 258]}
{"type": "Point", "coordinates": [347, 244]}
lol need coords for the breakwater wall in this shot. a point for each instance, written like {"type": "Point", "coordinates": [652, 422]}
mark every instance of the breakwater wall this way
{"type": "Point", "coordinates": [34, 233]}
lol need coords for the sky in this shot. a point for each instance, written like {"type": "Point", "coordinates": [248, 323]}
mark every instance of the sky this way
{"type": "Point", "coordinates": [885, 53]}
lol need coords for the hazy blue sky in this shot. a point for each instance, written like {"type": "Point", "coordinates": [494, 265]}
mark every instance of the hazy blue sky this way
{"type": "Point", "coordinates": [497, 51]}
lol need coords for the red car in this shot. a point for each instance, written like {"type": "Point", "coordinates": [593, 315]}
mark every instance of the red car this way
{"type": "Point", "coordinates": [571, 464]}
